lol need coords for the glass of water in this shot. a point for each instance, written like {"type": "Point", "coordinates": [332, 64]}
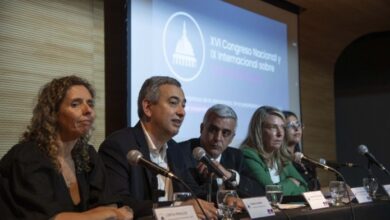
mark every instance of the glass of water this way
{"type": "Point", "coordinates": [370, 184]}
{"type": "Point", "coordinates": [274, 194]}
{"type": "Point", "coordinates": [337, 192]}
{"type": "Point", "coordinates": [227, 203]}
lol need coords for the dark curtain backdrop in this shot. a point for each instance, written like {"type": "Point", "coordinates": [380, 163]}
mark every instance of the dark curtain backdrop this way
{"type": "Point", "coordinates": [362, 95]}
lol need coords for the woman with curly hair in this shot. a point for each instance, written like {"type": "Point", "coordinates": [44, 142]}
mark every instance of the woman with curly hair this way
{"type": "Point", "coordinates": [53, 173]}
{"type": "Point", "coordinates": [266, 154]}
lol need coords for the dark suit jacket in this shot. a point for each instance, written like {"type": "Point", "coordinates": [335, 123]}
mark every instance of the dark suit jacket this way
{"type": "Point", "coordinates": [231, 158]}
{"type": "Point", "coordinates": [136, 185]}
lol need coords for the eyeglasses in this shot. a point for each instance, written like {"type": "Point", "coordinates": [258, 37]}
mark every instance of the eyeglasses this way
{"type": "Point", "coordinates": [294, 125]}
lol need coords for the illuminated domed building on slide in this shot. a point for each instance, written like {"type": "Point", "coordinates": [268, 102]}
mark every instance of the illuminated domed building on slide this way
{"type": "Point", "coordinates": [184, 53]}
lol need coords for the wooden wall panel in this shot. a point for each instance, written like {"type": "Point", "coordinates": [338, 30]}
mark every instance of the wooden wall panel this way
{"type": "Point", "coordinates": [325, 30]}
{"type": "Point", "coordinates": [40, 40]}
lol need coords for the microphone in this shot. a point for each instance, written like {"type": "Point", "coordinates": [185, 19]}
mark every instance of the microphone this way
{"type": "Point", "coordinates": [363, 150]}
{"type": "Point", "coordinates": [200, 155]}
{"type": "Point", "coordinates": [336, 164]}
{"type": "Point", "coordinates": [134, 157]}
{"type": "Point", "coordinates": [300, 157]}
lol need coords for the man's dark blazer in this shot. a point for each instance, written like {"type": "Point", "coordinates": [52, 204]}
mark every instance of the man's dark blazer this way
{"type": "Point", "coordinates": [231, 158]}
{"type": "Point", "coordinates": [136, 185]}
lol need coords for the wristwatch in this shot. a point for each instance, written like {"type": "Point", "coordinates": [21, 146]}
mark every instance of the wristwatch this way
{"type": "Point", "coordinates": [232, 177]}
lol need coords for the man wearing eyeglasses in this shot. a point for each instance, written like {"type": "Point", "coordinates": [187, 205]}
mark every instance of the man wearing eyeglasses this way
{"type": "Point", "coordinates": [216, 133]}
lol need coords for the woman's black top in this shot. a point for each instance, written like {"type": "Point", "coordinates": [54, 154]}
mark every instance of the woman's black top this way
{"type": "Point", "coordinates": [31, 187]}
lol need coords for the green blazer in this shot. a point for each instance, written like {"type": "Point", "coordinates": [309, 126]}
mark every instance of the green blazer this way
{"type": "Point", "coordinates": [261, 173]}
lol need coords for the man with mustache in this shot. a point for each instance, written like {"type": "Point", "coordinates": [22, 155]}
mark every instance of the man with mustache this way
{"type": "Point", "coordinates": [216, 133]}
{"type": "Point", "coordinates": [161, 104]}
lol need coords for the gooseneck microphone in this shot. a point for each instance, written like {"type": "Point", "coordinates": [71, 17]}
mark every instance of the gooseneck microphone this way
{"type": "Point", "coordinates": [200, 155]}
{"type": "Point", "coordinates": [134, 157]}
{"type": "Point", "coordinates": [336, 164]}
{"type": "Point", "coordinates": [299, 157]}
{"type": "Point", "coordinates": [363, 150]}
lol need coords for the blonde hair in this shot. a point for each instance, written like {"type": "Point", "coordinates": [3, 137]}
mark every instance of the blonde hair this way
{"type": "Point", "coordinates": [254, 138]}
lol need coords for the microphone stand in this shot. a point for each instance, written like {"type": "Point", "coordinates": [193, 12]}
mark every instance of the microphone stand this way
{"type": "Point", "coordinates": [369, 165]}
{"type": "Point", "coordinates": [193, 196]}
{"type": "Point", "coordinates": [371, 175]}
{"type": "Point", "coordinates": [369, 170]}
{"type": "Point", "coordinates": [338, 177]}
{"type": "Point", "coordinates": [210, 187]}
{"type": "Point", "coordinates": [343, 179]}
{"type": "Point", "coordinates": [384, 169]}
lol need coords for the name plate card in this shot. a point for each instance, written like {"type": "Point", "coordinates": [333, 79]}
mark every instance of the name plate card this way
{"type": "Point", "coordinates": [175, 213]}
{"type": "Point", "coordinates": [316, 200]}
{"type": "Point", "coordinates": [361, 195]}
{"type": "Point", "coordinates": [387, 189]}
{"type": "Point", "coordinates": [258, 207]}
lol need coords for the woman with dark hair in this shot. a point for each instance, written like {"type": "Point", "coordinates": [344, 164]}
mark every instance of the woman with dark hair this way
{"type": "Point", "coordinates": [294, 129]}
{"type": "Point", "coordinates": [53, 173]}
{"type": "Point", "coordinates": [265, 152]}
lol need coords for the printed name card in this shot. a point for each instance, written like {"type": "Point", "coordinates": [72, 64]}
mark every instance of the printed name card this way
{"type": "Point", "coordinates": [387, 188]}
{"type": "Point", "coordinates": [258, 207]}
{"type": "Point", "coordinates": [316, 200]}
{"type": "Point", "coordinates": [175, 213]}
{"type": "Point", "coordinates": [361, 195]}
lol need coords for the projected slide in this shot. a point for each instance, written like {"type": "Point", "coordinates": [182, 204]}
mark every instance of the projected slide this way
{"type": "Point", "coordinates": [220, 53]}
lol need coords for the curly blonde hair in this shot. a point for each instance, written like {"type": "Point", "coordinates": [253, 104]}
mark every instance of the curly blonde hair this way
{"type": "Point", "coordinates": [43, 128]}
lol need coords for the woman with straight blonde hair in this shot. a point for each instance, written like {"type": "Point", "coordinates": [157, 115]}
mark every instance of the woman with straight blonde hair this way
{"type": "Point", "coordinates": [266, 154]}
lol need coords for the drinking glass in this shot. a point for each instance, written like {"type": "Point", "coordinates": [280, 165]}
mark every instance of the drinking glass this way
{"type": "Point", "coordinates": [179, 197]}
{"type": "Point", "coordinates": [227, 203]}
{"type": "Point", "coordinates": [274, 194]}
{"type": "Point", "coordinates": [337, 192]}
{"type": "Point", "coordinates": [370, 184]}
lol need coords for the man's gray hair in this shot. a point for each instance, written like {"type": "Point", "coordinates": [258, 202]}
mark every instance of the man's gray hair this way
{"type": "Point", "coordinates": [222, 111]}
{"type": "Point", "coordinates": [150, 90]}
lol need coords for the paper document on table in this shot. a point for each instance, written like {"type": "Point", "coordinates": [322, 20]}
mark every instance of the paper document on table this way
{"type": "Point", "coordinates": [387, 188]}
{"type": "Point", "coordinates": [316, 200]}
{"type": "Point", "coordinates": [291, 206]}
{"type": "Point", "coordinates": [258, 207]}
